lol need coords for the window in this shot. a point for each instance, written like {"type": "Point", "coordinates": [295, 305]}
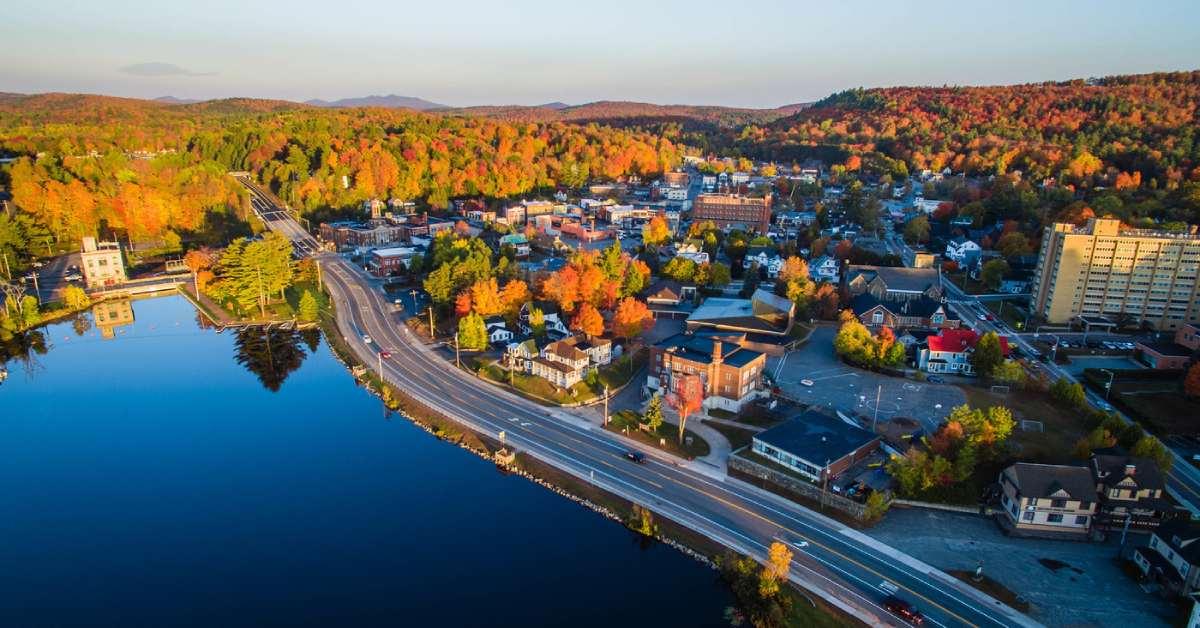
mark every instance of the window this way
{"type": "Point", "coordinates": [1081, 520]}
{"type": "Point", "coordinates": [1055, 518]}
{"type": "Point", "coordinates": [1028, 516]}
{"type": "Point", "coordinates": [1058, 503]}
{"type": "Point", "coordinates": [877, 318]}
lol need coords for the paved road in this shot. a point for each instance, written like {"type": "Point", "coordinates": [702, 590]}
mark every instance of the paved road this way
{"type": "Point", "coordinates": [1183, 480]}
{"type": "Point", "coordinates": [839, 564]}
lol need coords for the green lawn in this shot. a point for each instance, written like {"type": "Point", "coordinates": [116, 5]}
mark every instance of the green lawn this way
{"type": "Point", "coordinates": [613, 375]}
{"type": "Point", "coordinates": [1061, 428]}
{"type": "Point", "coordinates": [666, 439]}
{"type": "Point", "coordinates": [738, 436]}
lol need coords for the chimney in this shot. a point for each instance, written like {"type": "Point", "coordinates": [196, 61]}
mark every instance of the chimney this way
{"type": "Point", "coordinates": [716, 352]}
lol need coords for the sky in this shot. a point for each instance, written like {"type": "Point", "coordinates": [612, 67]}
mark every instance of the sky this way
{"type": "Point", "coordinates": [464, 52]}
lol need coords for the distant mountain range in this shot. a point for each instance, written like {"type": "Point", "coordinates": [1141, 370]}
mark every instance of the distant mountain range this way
{"type": "Point", "coordinates": [391, 101]}
{"type": "Point", "coordinates": [171, 100]}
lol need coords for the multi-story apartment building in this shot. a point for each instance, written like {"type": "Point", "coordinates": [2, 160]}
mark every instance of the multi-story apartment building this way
{"type": "Point", "coordinates": [734, 210]}
{"type": "Point", "coordinates": [1102, 269]}
{"type": "Point", "coordinates": [102, 262]}
{"type": "Point", "coordinates": [1048, 499]}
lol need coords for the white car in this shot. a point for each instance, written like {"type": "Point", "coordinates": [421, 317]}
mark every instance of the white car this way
{"type": "Point", "coordinates": [800, 544]}
{"type": "Point", "coordinates": [366, 339]}
{"type": "Point", "coordinates": [982, 317]}
{"type": "Point", "coordinates": [806, 382]}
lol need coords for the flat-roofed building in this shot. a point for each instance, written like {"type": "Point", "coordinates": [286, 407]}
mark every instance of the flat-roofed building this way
{"type": "Point", "coordinates": [734, 211]}
{"type": "Point", "coordinates": [102, 263]}
{"type": "Point", "coordinates": [1101, 269]}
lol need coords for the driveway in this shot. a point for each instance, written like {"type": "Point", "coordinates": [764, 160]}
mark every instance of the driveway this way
{"type": "Point", "coordinates": [841, 387]}
{"type": "Point", "coordinates": [1086, 587]}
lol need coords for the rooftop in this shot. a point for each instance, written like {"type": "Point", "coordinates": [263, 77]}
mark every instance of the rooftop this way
{"type": "Point", "coordinates": [816, 437]}
{"type": "Point", "coordinates": [898, 279]}
{"type": "Point", "coordinates": [1047, 480]}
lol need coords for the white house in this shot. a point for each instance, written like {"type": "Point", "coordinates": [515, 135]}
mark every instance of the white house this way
{"type": "Point", "coordinates": [765, 258]}
{"type": "Point", "coordinates": [824, 268]}
{"type": "Point", "coordinates": [950, 352]}
{"type": "Point", "coordinates": [497, 330]}
{"type": "Point", "coordinates": [963, 251]}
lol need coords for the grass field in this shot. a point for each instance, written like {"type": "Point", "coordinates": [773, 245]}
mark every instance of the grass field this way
{"type": "Point", "coordinates": [738, 437]}
{"type": "Point", "coordinates": [1060, 429]}
{"type": "Point", "coordinates": [1159, 406]}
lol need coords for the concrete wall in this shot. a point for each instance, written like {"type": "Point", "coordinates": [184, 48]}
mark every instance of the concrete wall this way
{"type": "Point", "coordinates": [750, 469]}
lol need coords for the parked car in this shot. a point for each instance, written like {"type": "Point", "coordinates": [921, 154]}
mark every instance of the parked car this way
{"type": "Point", "coordinates": [806, 382]}
{"type": "Point", "coordinates": [934, 379]}
{"type": "Point", "coordinates": [73, 277]}
{"type": "Point", "coordinates": [366, 339]}
{"type": "Point", "coordinates": [903, 610]}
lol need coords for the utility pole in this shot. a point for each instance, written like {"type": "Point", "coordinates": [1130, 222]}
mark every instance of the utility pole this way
{"type": "Point", "coordinates": [606, 406]}
{"type": "Point", "coordinates": [7, 270]}
{"type": "Point", "coordinates": [432, 335]}
{"type": "Point", "coordinates": [379, 361]}
{"type": "Point", "coordinates": [878, 392]}
{"type": "Point", "coordinates": [825, 484]}
{"type": "Point", "coordinates": [457, 360]}
{"type": "Point", "coordinates": [37, 292]}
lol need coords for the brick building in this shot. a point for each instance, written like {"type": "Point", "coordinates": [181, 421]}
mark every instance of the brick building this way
{"type": "Point", "coordinates": [734, 211]}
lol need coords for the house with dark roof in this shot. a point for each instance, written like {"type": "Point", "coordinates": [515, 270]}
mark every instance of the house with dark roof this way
{"type": "Point", "coordinates": [1048, 500]}
{"type": "Point", "coordinates": [763, 313]}
{"type": "Point", "coordinates": [950, 352]}
{"type": "Point", "coordinates": [497, 330]}
{"type": "Point", "coordinates": [921, 312]}
{"type": "Point", "coordinates": [732, 376]}
{"type": "Point", "coordinates": [1172, 558]}
{"type": "Point", "coordinates": [816, 444]}
{"type": "Point", "coordinates": [1132, 491]}
{"type": "Point", "coordinates": [555, 325]}
{"type": "Point", "coordinates": [669, 293]}
{"type": "Point", "coordinates": [893, 284]}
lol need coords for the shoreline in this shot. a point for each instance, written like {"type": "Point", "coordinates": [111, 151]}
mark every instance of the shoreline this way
{"type": "Point", "coordinates": [435, 424]}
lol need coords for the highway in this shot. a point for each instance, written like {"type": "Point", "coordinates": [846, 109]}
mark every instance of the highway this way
{"type": "Point", "coordinates": [844, 567]}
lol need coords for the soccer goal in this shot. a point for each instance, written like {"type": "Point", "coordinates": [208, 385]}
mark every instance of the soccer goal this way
{"type": "Point", "coordinates": [1030, 426]}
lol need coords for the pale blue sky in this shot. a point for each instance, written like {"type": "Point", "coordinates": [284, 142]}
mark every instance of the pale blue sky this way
{"type": "Point", "coordinates": [460, 52]}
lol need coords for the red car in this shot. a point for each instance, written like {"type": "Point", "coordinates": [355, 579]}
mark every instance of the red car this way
{"type": "Point", "coordinates": [904, 610]}
{"type": "Point", "coordinates": [387, 355]}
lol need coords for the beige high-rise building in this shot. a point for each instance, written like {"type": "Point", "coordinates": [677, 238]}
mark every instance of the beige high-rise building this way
{"type": "Point", "coordinates": [1103, 269]}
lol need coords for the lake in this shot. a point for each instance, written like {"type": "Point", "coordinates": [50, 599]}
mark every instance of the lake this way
{"type": "Point", "coordinates": [157, 473]}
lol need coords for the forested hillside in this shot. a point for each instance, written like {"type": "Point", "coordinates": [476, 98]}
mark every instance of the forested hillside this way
{"type": "Point", "coordinates": [144, 168]}
{"type": "Point", "coordinates": [1125, 131]}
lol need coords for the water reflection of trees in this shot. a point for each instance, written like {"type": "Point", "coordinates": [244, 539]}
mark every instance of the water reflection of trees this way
{"type": "Point", "coordinates": [273, 354]}
{"type": "Point", "coordinates": [23, 347]}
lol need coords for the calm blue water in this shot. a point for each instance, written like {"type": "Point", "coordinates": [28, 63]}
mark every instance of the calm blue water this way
{"type": "Point", "coordinates": [150, 479]}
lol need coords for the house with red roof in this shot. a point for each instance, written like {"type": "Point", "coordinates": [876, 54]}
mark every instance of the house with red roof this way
{"type": "Point", "coordinates": [950, 352]}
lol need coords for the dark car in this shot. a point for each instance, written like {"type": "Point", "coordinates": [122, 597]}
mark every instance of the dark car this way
{"type": "Point", "coordinates": [635, 456]}
{"type": "Point", "coordinates": [903, 610]}
{"type": "Point", "coordinates": [934, 379]}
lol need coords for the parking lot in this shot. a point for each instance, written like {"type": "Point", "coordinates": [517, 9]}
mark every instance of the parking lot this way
{"type": "Point", "coordinates": [853, 391]}
{"type": "Point", "coordinates": [1068, 583]}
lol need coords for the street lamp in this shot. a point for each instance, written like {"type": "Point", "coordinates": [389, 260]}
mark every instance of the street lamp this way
{"type": "Point", "coordinates": [1108, 386]}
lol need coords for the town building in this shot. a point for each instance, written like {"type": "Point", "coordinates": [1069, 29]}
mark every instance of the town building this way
{"type": "Point", "coordinates": [889, 283]}
{"type": "Point", "coordinates": [390, 261]}
{"type": "Point", "coordinates": [1176, 354]}
{"type": "Point", "coordinates": [518, 242]}
{"type": "Point", "coordinates": [823, 268]}
{"type": "Point", "coordinates": [732, 376]}
{"type": "Point", "coordinates": [734, 211]}
{"type": "Point", "coordinates": [963, 251]}
{"type": "Point", "coordinates": [1047, 499]}
{"type": "Point", "coordinates": [102, 262]}
{"type": "Point", "coordinates": [950, 352]}
{"type": "Point", "coordinates": [550, 316]}
{"type": "Point", "coordinates": [815, 444]}
{"type": "Point", "coordinates": [766, 258]}
{"type": "Point", "coordinates": [923, 313]}
{"type": "Point", "coordinates": [669, 292]}
{"type": "Point", "coordinates": [1132, 493]}
{"type": "Point", "coordinates": [1149, 276]}
{"type": "Point", "coordinates": [1172, 557]}
{"type": "Point", "coordinates": [763, 313]}
{"type": "Point", "coordinates": [498, 331]}
{"type": "Point", "coordinates": [676, 179]}
{"type": "Point", "coordinates": [564, 362]}
{"type": "Point", "coordinates": [347, 234]}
